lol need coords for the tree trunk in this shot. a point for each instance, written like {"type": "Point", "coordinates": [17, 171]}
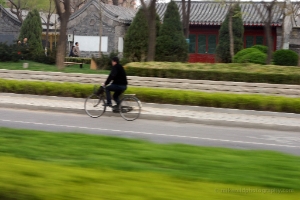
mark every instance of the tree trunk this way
{"type": "Point", "coordinates": [231, 39]}
{"type": "Point", "coordinates": [188, 19]}
{"type": "Point", "coordinates": [61, 47]}
{"type": "Point", "coordinates": [47, 31]}
{"type": "Point", "coordinates": [269, 35]}
{"type": "Point", "coordinates": [299, 58]}
{"type": "Point", "coordinates": [152, 31]}
{"type": "Point", "coordinates": [100, 29]}
{"type": "Point", "coordinates": [64, 14]}
{"type": "Point", "coordinates": [184, 17]}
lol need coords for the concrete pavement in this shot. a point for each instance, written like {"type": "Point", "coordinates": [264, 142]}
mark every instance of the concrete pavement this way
{"type": "Point", "coordinates": [176, 113]}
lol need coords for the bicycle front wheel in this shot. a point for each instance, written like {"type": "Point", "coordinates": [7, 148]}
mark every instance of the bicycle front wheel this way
{"type": "Point", "coordinates": [93, 106]}
{"type": "Point", "coordinates": [130, 108]}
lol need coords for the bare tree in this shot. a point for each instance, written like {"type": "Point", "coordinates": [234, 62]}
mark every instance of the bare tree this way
{"type": "Point", "coordinates": [151, 15]}
{"type": "Point", "coordinates": [76, 4]}
{"type": "Point", "coordinates": [16, 7]}
{"type": "Point", "coordinates": [267, 19]}
{"type": "Point", "coordinates": [186, 17]}
{"type": "Point", "coordinates": [64, 11]}
{"type": "Point", "coordinates": [50, 12]}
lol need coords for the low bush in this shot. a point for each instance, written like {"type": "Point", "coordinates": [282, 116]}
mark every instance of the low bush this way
{"type": "Point", "coordinates": [165, 96]}
{"type": "Point", "coordinates": [104, 62]}
{"type": "Point", "coordinates": [50, 59]}
{"type": "Point", "coordinates": [254, 57]}
{"type": "Point", "coordinates": [238, 56]}
{"type": "Point", "coordinates": [262, 48]}
{"type": "Point", "coordinates": [285, 57]}
{"type": "Point", "coordinates": [250, 55]}
{"type": "Point", "coordinates": [9, 52]}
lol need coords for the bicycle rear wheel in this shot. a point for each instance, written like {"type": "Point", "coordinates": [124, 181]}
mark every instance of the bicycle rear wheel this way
{"type": "Point", "coordinates": [130, 108]}
{"type": "Point", "coordinates": [93, 106]}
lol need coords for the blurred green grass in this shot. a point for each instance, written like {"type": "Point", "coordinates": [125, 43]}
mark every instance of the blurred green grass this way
{"type": "Point", "coordinates": [24, 179]}
{"type": "Point", "coordinates": [35, 66]}
{"type": "Point", "coordinates": [256, 168]}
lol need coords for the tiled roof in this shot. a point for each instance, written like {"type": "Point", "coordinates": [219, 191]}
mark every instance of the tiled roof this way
{"type": "Point", "coordinates": [10, 15]}
{"type": "Point", "coordinates": [214, 13]}
{"type": "Point", "coordinates": [43, 18]}
{"type": "Point", "coordinates": [117, 13]}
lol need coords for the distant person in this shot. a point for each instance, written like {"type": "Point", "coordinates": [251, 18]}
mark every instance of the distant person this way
{"type": "Point", "coordinates": [71, 54]}
{"type": "Point", "coordinates": [25, 49]}
{"type": "Point", "coordinates": [76, 50]}
{"type": "Point", "coordinates": [25, 42]}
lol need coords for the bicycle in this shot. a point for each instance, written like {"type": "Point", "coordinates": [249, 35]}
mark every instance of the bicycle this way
{"type": "Point", "coordinates": [95, 105]}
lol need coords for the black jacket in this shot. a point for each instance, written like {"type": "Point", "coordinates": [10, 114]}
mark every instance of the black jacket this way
{"type": "Point", "coordinates": [117, 75]}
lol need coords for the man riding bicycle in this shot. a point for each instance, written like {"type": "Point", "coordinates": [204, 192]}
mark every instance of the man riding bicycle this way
{"type": "Point", "coordinates": [119, 82]}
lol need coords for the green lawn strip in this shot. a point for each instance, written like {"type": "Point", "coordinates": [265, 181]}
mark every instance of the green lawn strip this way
{"type": "Point", "coordinates": [157, 95]}
{"type": "Point", "coordinates": [218, 72]}
{"type": "Point", "coordinates": [23, 179]}
{"type": "Point", "coordinates": [34, 66]}
{"type": "Point", "coordinates": [192, 163]}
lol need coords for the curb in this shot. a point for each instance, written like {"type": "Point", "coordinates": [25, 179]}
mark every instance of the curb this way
{"type": "Point", "coordinates": [146, 116]}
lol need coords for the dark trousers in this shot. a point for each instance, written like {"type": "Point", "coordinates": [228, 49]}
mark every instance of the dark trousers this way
{"type": "Point", "coordinates": [117, 89]}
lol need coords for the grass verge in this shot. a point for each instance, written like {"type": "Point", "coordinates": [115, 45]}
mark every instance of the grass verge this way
{"type": "Point", "coordinates": [246, 72]}
{"type": "Point", "coordinates": [34, 66]}
{"type": "Point", "coordinates": [23, 179]}
{"type": "Point", "coordinates": [164, 96]}
{"type": "Point", "coordinates": [188, 163]}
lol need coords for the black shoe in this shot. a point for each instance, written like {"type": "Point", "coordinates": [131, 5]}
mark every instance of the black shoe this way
{"type": "Point", "coordinates": [115, 109]}
{"type": "Point", "coordinates": [107, 104]}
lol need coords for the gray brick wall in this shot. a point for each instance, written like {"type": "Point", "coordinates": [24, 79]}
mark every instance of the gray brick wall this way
{"type": "Point", "coordinates": [295, 40]}
{"type": "Point", "coordinates": [88, 23]}
{"type": "Point", "coordinates": [9, 29]}
{"type": "Point", "coordinates": [279, 38]}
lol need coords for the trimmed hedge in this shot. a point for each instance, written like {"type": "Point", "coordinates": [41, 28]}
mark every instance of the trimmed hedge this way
{"type": "Point", "coordinates": [165, 96]}
{"type": "Point", "coordinates": [246, 72]}
{"type": "Point", "coordinates": [285, 57]}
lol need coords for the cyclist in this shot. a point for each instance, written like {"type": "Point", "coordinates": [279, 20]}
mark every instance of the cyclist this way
{"type": "Point", "coordinates": [119, 82]}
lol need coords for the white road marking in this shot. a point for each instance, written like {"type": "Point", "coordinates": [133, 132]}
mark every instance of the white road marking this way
{"type": "Point", "coordinates": [279, 139]}
{"type": "Point", "coordinates": [146, 133]}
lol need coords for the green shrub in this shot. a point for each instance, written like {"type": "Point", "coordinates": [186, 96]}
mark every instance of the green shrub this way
{"type": "Point", "coordinates": [171, 44]}
{"type": "Point", "coordinates": [136, 38]}
{"type": "Point", "coordinates": [262, 48]}
{"type": "Point", "coordinates": [254, 57]}
{"type": "Point", "coordinates": [223, 47]}
{"type": "Point", "coordinates": [104, 62]}
{"type": "Point", "coordinates": [165, 96]}
{"type": "Point", "coordinates": [238, 57]}
{"type": "Point", "coordinates": [9, 52]}
{"type": "Point", "coordinates": [285, 57]}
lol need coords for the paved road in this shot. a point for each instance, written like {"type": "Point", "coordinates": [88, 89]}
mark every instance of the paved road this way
{"type": "Point", "coordinates": [157, 131]}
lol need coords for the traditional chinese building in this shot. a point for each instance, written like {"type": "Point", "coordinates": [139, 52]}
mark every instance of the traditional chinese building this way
{"type": "Point", "coordinates": [206, 19]}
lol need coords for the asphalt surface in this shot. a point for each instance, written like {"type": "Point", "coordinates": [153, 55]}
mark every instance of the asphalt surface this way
{"type": "Point", "coordinates": [154, 130]}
